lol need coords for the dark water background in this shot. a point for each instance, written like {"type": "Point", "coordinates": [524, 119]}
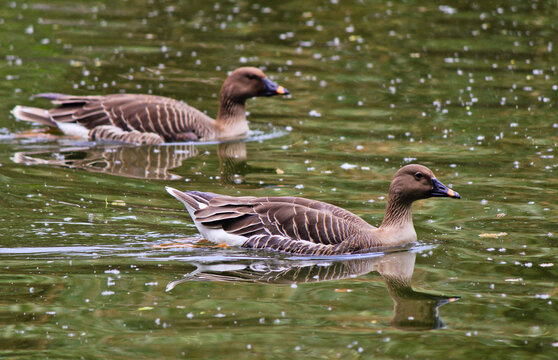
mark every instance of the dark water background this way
{"type": "Point", "coordinates": [466, 88]}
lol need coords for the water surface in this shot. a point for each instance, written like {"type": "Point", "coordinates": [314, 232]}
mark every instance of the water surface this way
{"type": "Point", "coordinates": [466, 88]}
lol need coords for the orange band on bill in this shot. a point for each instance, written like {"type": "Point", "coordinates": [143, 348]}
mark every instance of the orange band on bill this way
{"type": "Point", "coordinates": [280, 90]}
{"type": "Point", "coordinates": [451, 193]}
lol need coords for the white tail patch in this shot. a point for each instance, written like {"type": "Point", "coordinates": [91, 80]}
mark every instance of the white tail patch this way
{"type": "Point", "coordinates": [73, 129]}
{"type": "Point", "coordinates": [218, 236]}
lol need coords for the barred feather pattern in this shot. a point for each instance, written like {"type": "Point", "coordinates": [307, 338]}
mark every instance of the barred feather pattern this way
{"type": "Point", "coordinates": [288, 224]}
{"type": "Point", "coordinates": [171, 119]}
{"type": "Point", "coordinates": [283, 244]}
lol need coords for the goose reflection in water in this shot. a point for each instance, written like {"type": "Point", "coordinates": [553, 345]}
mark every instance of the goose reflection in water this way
{"type": "Point", "coordinates": [413, 310]}
{"type": "Point", "coordinates": [152, 162]}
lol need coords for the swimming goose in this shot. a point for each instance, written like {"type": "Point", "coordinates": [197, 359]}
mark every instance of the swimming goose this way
{"type": "Point", "coordinates": [302, 226]}
{"type": "Point", "coordinates": [150, 119]}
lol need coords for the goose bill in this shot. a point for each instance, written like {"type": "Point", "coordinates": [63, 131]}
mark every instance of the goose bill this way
{"type": "Point", "coordinates": [441, 190]}
{"type": "Point", "coordinates": [272, 88]}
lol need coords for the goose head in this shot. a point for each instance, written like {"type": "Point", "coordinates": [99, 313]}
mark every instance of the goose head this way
{"type": "Point", "coordinates": [414, 182]}
{"type": "Point", "coordinates": [248, 82]}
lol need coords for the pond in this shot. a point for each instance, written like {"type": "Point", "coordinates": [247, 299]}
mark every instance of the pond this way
{"type": "Point", "coordinates": [97, 260]}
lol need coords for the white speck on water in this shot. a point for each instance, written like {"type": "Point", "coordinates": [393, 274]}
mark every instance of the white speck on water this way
{"type": "Point", "coordinates": [359, 147]}
{"type": "Point", "coordinates": [546, 265]}
{"type": "Point", "coordinates": [112, 271]}
{"type": "Point", "coordinates": [107, 293]}
{"type": "Point", "coordinates": [299, 186]}
{"type": "Point", "coordinates": [294, 286]}
{"type": "Point", "coordinates": [314, 113]}
{"type": "Point", "coordinates": [220, 315]}
{"type": "Point", "coordinates": [347, 166]}
{"type": "Point", "coordinates": [484, 202]}
{"type": "Point", "coordinates": [542, 296]}
{"type": "Point", "coordinates": [447, 9]}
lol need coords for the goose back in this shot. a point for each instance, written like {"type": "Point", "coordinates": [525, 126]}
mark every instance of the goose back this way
{"type": "Point", "coordinates": [289, 217]}
{"type": "Point", "coordinates": [173, 120]}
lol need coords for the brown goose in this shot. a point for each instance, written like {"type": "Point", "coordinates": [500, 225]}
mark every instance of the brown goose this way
{"type": "Point", "coordinates": [149, 119]}
{"type": "Point", "coordinates": [303, 226]}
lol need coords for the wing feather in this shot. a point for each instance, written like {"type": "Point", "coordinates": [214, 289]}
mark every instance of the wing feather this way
{"type": "Point", "coordinates": [288, 217]}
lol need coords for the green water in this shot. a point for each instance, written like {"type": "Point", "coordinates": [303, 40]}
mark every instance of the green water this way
{"type": "Point", "coordinates": [466, 88]}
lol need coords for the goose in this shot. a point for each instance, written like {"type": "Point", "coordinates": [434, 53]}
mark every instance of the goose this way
{"type": "Point", "coordinates": [308, 227]}
{"type": "Point", "coordinates": [149, 119]}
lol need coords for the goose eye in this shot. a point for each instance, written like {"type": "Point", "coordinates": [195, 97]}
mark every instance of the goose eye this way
{"type": "Point", "coordinates": [251, 76]}
{"type": "Point", "coordinates": [418, 176]}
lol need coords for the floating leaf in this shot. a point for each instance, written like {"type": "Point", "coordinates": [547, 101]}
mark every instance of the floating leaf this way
{"type": "Point", "coordinates": [279, 171]}
{"type": "Point", "coordinates": [118, 203]}
{"type": "Point", "coordinates": [145, 308]}
{"type": "Point", "coordinates": [492, 235]}
{"type": "Point", "coordinates": [343, 290]}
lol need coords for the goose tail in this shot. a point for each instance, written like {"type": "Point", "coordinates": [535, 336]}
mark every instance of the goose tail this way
{"type": "Point", "coordinates": [193, 200]}
{"type": "Point", "coordinates": [33, 114]}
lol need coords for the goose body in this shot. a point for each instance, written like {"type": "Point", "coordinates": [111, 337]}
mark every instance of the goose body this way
{"type": "Point", "coordinates": [150, 119]}
{"type": "Point", "coordinates": [303, 226]}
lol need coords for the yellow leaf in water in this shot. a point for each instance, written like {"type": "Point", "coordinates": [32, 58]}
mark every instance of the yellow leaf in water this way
{"type": "Point", "coordinates": [118, 203]}
{"type": "Point", "coordinates": [145, 308]}
{"type": "Point", "coordinates": [279, 171]}
{"type": "Point", "coordinates": [342, 290]}
{"type": "Point", "coordinates": [492, 235]}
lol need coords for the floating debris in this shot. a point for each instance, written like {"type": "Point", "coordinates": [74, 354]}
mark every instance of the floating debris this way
{"type": "Point", "coordinates": [492, 235]}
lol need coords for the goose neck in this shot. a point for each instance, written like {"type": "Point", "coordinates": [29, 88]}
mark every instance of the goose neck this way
{"type": "Point", "coordinates": [231, 119]}
{"type": "Point", "coordinates": [398, 213]}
